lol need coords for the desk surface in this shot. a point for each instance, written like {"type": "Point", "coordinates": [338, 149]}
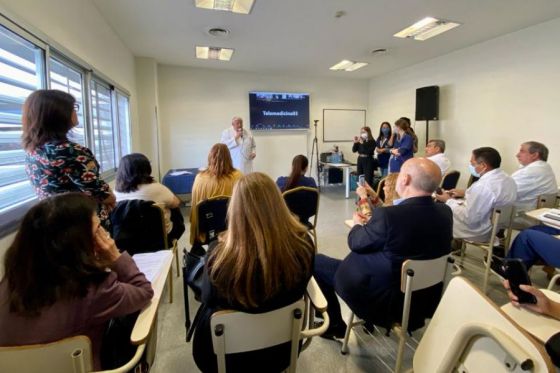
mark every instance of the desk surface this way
{"type": "Point", "coordinates": [537, 214]}
{"type": "Point", "coordinates": [338, 165]}
{"type": "Point", "coordinates": [146, 317]}
{"type": "Point", "coordinates": [540, 326]}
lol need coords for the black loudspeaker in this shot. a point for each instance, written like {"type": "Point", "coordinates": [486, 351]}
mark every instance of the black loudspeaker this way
{"type": "Point", "coordinates": [427, 103]}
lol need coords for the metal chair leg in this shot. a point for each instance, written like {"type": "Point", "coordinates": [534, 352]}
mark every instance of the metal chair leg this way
{"type": "Point", "coordinates": [344, 348]}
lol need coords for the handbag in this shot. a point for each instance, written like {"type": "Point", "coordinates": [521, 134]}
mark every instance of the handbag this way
{"type": "Point", "coordinates": [194, 268]}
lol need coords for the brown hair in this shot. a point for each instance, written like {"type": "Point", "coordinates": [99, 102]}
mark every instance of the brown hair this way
{"type": "Point", "coordinates": [299, 164]}
{"type": "Point", "coordinates": [404, 124]}
{"type": "Point", "coordinates": [265, 249]}
{"type": "Point", "coordinates": [368, 131]}
{"type": "Point", "coordinates": [391, 194]}
{"type": "Point", "coordinates": [52, 256]}
{"type": "Point", "coordinates": [219, 161]}
{"type": "Point", "coordinates": [47, 116]}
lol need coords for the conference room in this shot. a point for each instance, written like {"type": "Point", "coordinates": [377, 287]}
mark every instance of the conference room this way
{"type": "Point", "coordinates": [273, 81]}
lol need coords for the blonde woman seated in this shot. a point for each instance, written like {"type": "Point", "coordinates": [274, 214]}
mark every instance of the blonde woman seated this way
{"type": "Point", "coordinates": [389, 189]}
{"type": "Point", "coordinates": [217, 180]}
{"type": "Point", "coordinates": [261, 263]}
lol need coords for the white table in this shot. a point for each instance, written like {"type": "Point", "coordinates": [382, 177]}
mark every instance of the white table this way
{"type": "Point", "coordinates": [145, 320]}
{"type": "Point", "coordinates": [536, 214]}
{"type": "Point", "coordinates": [346, 167]}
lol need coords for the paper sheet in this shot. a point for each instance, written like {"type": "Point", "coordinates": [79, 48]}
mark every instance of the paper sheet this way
{"type": "Point", "coordinates": [177, 173]}
{"type": "Point", "coordinates": [151, 263]}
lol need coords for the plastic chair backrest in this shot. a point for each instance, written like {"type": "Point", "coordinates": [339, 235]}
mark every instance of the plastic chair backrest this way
{"type": "Point", "coordinates": [212, 217]}
{"type": "Point", "coordinates": [72, 355]}
{"type": "Point", "coordinates": [426, 273]}
{"type": "Point", "coordinates": [302, 201]}
{"type": "Point", "coordinates": [468, 331]}
{"type": "Point", "coordinates": [450, 180]}
{"type": "Point", "coordinates": [235, 332]}
{"type": "Point", "coordinates": [547, 201]}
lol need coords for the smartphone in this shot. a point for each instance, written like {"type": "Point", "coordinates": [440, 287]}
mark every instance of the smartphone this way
{"type": "Point", "coordinates": [362, 180]}
{"type": "Point", "coordinates": [516, 274]}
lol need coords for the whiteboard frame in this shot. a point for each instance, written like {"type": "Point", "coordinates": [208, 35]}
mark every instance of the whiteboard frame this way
{"type": "Point", "coordinates": [324, 123]}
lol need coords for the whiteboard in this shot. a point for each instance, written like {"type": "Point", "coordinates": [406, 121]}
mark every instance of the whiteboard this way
{"type": "Point", "coordinates": [342, 124]}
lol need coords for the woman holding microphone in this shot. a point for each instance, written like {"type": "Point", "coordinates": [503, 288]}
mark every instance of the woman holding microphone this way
{"type": "Point", "coordinates": [365, 146]}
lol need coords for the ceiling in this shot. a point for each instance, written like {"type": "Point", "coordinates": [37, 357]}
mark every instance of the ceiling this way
{"type": "Point", "coordinates": [303, 37]}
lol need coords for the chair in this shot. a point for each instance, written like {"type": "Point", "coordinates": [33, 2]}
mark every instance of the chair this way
{"type": "Point", "coordinates": [415, 275]}
{"type": "Point", "coordinates": [380, 190]}
{"type": "Point", "coordinates": [547, 201]}
{"type": "Point", "coordinates": [450, 180]}
{"type": "Point", "coordinates": [212, 215]}
{"type": "Point", "coordinates": [304, 202]}
{"type": "Point", "coordinates": [472, 180]}
{"type": "Point", "coordinates": [69, 355]}
{"type": "Point", "coordinates": [236, 332]}
{"type": "Point", "coordinates": [502, 217]}
{"type": "Point", "coordinates": [469, 333]}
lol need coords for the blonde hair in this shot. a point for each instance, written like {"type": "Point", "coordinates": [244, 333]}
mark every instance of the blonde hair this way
{"type": "Point", "coordinates": [265, 248]}
{"type": "Point", "coordinates": [219, 161]}
{"type": "Point", "coordinates": [391, 194]}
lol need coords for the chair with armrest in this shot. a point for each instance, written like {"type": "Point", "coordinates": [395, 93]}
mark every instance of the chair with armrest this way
{"type": "Point", "coordinates": [236, 332]}
{"type": "Point", "coordinates": [548, 201]}
{"type": "Point", "coordinates": [450, 180]}
{"type": "Point", "coordinates": [304, 202]}
{"type": "Point", "coordinates": [212, 215]}
{"type": "Point", "coordinates": [415, 275]}
{"type": "Point", "coordinates": [502, 217]}
{"type": "Point", "coordinates": [69, 355]}
{"type": "Point", "coordinates": [469, 333]}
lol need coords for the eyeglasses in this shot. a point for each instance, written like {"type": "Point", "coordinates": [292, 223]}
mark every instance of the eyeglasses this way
{"type": "Point", "coordinates": [76, 106]}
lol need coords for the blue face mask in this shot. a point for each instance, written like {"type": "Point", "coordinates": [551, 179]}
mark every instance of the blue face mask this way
{"type": "Point", "coordinates": [385, 131]}
{"type": "Point", "coordinates": [473, 171]}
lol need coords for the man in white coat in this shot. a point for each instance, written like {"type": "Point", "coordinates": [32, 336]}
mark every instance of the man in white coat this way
{"type": "Point", "coordinates": [241, 145]}
{"type": "Point", "coordinates": [435, 150]}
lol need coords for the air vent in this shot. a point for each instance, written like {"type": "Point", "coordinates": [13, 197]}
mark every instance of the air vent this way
{"type": "Point", "coordinates": [218, 32]}
{"type": "Point", "coordinates": [379, 51]}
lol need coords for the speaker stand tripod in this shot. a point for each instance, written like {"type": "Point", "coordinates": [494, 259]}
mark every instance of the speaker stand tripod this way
{"type": "Point", "coordinates": [315, 154]}
{"type": "Point", "coordinates": [427, 132]}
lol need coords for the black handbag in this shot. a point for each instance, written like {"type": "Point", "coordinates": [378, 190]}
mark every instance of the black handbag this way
{"type": "Point", "coordinates": [194, 268]}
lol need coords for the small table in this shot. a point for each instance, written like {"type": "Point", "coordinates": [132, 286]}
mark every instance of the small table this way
{"type": "Point", "coordinates": [156, 266]}
{"type": "Point", "coordinates": [346, 167]}
{"type": "Point", "coordinates": [180, 180]}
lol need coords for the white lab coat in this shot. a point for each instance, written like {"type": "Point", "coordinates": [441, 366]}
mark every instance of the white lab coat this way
{"type": "Point", "coordinates": [240, 149]}
{"type": "Point", "coordinates": [533, 180]}
{"type": "Point", "coordinates": [442, 161]}
{"type": "Point", "coordinates": [471, 216]}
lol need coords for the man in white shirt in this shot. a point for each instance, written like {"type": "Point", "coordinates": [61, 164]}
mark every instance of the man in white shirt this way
{"type": "Point", "coordinates": [471, 215]}
{"type": "Point", "coordinates": [241, 145]}
{"type": "Point", "coordinates": [435, 150]}
{"type": "Point", "coordinates": [535, 177]}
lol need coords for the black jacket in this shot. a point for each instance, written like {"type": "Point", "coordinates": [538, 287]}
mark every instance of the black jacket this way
{"type": "Point", "coordinates": [369, 277]}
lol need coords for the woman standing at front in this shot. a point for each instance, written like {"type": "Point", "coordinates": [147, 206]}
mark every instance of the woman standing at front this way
{"type": "Point", "coordinates": [403, 146]}
{"type": "Point", "coordinates": [53, 163]}
{"type": "Point", "coordinates": [383, 147]}
{"type": "Point", "coordinates": [365, 146]}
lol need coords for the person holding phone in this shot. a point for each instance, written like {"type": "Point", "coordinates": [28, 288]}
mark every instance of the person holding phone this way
{"type": "Point", "coordinates": [543, 305]}
{"type": "Point", "coordinates": [365, 145]}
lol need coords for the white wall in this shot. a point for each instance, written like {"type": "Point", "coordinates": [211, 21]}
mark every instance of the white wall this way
{"type": "Point", "coordinates": [498, 93]}
{"type": "Point", "coordinates": [78, 26]}
{"type": "Point", "coordinates": [197, 104]}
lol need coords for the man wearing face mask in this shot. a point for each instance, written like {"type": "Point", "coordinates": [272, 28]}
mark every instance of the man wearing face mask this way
{"type": "Point", "coordinates": [241, 145]}
{"type": "Point", "coordinates": [472, 209]}
{"type": "Point", "coordinates": [368, 278]}
{"type": "Point", "coordinates": [365, 146]}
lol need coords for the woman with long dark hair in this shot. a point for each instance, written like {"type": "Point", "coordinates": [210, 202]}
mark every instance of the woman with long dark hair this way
{"type": "Point", "coordinates": [383, 147]}
{"type": "Point", "coordinates": [297, 177]}
{"type": "Point", "coordinates": [65, 277]}
{"type": "Point", "coordinates": [261, 263]}
{"type": "Point", "coordinates": [53, 163]}
{"type": "Point", "coordinates": [364, 145]}
{"type": "Point", "coordinates": [403, 146]}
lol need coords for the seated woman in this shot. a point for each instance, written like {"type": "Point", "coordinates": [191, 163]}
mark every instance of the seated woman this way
{"type": "Point", "coordinates": [135, 181]}
{"type": "Point", "coordinates": [217, 180]}
{"type": "Point", "coordinates": [53, 163]}
{"type": "Point", "coordinates": [261, 263]}
{"type": "Point", "coordinates": [297, 177]}
{"type": "Point", "coordinates": [65, 277]}
{"type": "Point", "coordinates": [370, 198]}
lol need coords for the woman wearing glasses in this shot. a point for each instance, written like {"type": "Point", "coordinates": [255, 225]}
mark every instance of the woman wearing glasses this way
{"type": "Point", "coordinates": [53, 163]}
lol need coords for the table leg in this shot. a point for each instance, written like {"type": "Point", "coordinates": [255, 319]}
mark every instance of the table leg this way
{"type": "Point", "coordinates": [347, 179]}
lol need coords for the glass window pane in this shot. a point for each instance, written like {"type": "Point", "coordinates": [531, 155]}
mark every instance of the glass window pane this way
{"type": "Point", "coordinates": [124, 124]}
{"type": "Point", "coordinates": [103, 136]}
{"type": "Point", "coordinates": [21, 72]}
{"type": "Point", "coordinates": [70, 80]}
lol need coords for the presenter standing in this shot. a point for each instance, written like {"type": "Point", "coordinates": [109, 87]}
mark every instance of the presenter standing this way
{"type": "Point", "coordinates": [241, 145]}
{"type": "Point", "coordinates": [365, 146]}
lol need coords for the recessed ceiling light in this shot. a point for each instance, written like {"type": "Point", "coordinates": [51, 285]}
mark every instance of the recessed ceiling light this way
{"type": "Point", "coordinates": [214, 53]}
{"type": "Point", "coordinates": [234, 6]}
{"type": "Point", "coordinates": [426, 28]}
{"type": "Point", "coordinates": [348, 65]}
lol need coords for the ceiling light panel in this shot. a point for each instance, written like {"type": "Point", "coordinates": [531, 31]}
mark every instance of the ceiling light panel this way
{"type": "Point", "coordinates": [426, 28]}
{"type": "Point", "coordinates": [234, 6]}
{"type": "Point", "coordinates": [214, 53]}
{"type": "Point", "coordinates": [348, 65]}
{"type": "Point", "coordinates": [356, 66]}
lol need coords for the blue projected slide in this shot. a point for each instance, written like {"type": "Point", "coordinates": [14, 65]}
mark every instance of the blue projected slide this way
{"type": "Point", "coordinates": [279, 110]}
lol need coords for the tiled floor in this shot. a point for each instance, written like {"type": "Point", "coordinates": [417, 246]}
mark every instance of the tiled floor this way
{"type": "Point", "coordinates": [367, 353]}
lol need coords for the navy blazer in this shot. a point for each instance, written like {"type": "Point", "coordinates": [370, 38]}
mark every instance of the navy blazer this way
{"type": "Point", "coordinates": [368, 279]}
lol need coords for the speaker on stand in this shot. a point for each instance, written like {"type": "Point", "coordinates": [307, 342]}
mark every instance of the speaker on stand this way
{"type": "Point", "coordinates": [427, 105]}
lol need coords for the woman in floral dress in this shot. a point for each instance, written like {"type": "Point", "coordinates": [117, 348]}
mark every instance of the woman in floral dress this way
{"type": "Point", "coordinates": [53, 163]}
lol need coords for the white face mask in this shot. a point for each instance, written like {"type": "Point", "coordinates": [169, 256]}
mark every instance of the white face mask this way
{"type": "Point", "coordinates": [364, 135]}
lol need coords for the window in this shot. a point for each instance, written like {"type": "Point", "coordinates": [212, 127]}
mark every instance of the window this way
{"type": "Point", "coordinates": [103, 133]}
{"type": "Point", "coordinates": [64, 77]}
{"type": "Point", "coordinates": [21, 72]}
{"type": "Point", "coordinates": [123, 119]}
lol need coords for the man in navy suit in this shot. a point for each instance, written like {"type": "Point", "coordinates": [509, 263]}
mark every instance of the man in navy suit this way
{"type": "Point", "coordinates": [368, 279]}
